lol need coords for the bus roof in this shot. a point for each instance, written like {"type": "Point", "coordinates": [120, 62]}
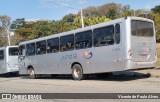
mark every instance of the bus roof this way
{"type": "Point", "coordinates": [8, 47]}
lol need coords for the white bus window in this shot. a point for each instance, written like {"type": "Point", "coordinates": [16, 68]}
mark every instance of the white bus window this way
{"type": "Point", "coordinates": [83, 40]}
{"type": "Point", "coordinates": [104, 36]}
{"type": "Point", "coordinates": [117, 34]}
{"type": "Point", "coordinates": [13, 51]}
{"type": "Point", "coordinates": [1, 54]}
{"type": "Point", "coordinates": [53, 45]}
{"type": "Point", "coordinates": [21, 48]}
{"type": "Point", "coordinates": [41, 47]}
{"type": "Point", "coordinates": [142, 28]}
{"type": "Point", "coordinates": [67, 43]}
{"type": "Point", "coordinates": [30, 49]}
{"type": "Point", "coordinates": [133, 26]}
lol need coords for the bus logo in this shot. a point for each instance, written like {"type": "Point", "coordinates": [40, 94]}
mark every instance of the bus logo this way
{"type": "Point", "coordinates": [87, 55]}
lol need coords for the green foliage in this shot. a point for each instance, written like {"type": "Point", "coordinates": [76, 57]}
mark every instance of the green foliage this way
{"type": "Point", "coordinates": [157, 25]}
{"type": "Point", "coordinates": [89, 21]}
{"type": "Point", "coordinates": [24, 31]}
{"type": "Point", "coordinates": [126, 11]}
{"type": "Point", "coordinates": [69, 18]}
{"type": "Point", "coordinates": [156, 9]}
{"type": "Point", "coordinates": [90, 11]}
{"type": "Point", "coordinates": [111, 10]}
{"type": "Point", "coordinates": [111, 14]}
{"type": "Point", "coordinates": [17, 23]}
{"type": "Point", "coordinates": [40, 29]}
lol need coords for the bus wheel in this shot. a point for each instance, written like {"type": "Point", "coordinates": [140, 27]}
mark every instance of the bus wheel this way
{"type": "Point", "coordinates": [77, 72]}
{"type": "Point", "coordinates": [31, 73]}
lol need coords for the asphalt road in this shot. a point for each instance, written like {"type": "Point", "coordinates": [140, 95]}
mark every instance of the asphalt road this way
{"type": "Point", "coordinates": [90, 85]}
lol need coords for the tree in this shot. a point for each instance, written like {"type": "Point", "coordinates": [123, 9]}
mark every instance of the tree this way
{"type": "Point", "coordinates": [156, 9]}
{"type": "Point", "coordinates": [5, 24]}
{"type": "Point", "coordinates": [90, 11]}
{"type": "Point", "coordinates": [40, 29]}
{"type": "Point", "coordinates": [24, 31]}
{"type": "Point", "coordinates": [89, 21]}
{"type": "Point", "coordinates": [17, 23]}
{"type": "Point", "coordinates": [126, 11]}
{"type": "Point", "coordinates": [157, 25]}
{"type": "Point", "coordinates": [105, 9]}
{"type": "Point", "coordinates": [111, 14]}
{"type": "Point", "coordinates": [112, 10]}
{"type": "Point", "coordinates": [69, 18]}
{"type": "Point", "coordinates": [3, 41]}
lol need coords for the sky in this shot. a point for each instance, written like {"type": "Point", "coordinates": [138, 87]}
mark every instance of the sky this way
{"type": "Point", "coordinates": [48, 10]}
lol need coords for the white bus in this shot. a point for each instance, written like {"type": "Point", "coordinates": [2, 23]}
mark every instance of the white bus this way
{"type": "Point", "coordinates": [118, 45]}
{"type": "Point", "coordinates": [9, 59]}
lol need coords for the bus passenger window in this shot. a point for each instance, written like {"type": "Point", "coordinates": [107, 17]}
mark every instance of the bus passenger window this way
{"type": "Point", "coordinates": [83, 40]}
{"type": "Point", "coordinates": [133, 26]}
{"type": "Point", "coordinates": [117, 34]}
{"type": "Point", "coordinates": [67, 43]}
{"type": "Point", "coordinates": [21, 48]}
{"type": "Point", "coordinates": [1, 54]}
{"type": "Point", "coordinates": [41, 47]}
{"type": "Point", "coordinates": [13, 51]}
{"type": "Point", "coordinates": [104, 36]}
{"type": "Point", "coordinates": [30, 49]}
{"type": "Point", "coordinates": [53, 45]}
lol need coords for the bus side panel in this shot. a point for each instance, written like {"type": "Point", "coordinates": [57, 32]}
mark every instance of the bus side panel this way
{"type": "Point", "coordinates": [12, 64]}
{"type": "Point", "coordinates": [46, 64]}
{"type": "Point", "coordinates": [53, 63]}
{"type": "Point", "coordinates": [105, 59]}
{"type": "Point", "coordinates": [3, 64]}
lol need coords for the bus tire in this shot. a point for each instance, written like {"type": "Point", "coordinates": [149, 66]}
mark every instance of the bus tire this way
{"type": "Point", "coordinates": [31, 73]}
{"type": "Point", "coordinates": [77, 72]}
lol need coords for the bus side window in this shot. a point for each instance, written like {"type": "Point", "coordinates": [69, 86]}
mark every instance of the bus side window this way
{"type": "Point", "coordinates": [133, 28]}
{"type": "Point", "coordinates": [21, 50]}
{"type": "Point", "coordinates": [41, 47]}
{"type": "Point", "coordinates": [83, 40]}
{"type": "Point", "coordinates": [30, 49]}
{"type": "Point", "coordinates": [53, 45]}
{"type": "Point", "coordinates": [1, 54]}
{"type": "Point", "coordinates": [67, 42]}
{"type": "Point", "coordinates": [13, 51]}
{"type": "Point", "coordinates": [104, 36]}
{"type": "Point", "coordinates": [117, 33]}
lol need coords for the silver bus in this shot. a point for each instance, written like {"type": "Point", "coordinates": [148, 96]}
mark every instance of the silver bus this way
{"type": "Point", "coordinates": [118, 45]}
{"type": "Point", "coordinates": [9, 59]}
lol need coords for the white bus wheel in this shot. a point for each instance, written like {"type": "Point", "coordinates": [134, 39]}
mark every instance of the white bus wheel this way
{"type": "Point", "coordinates": [77, 72]}
{"type": "Point", "coordinates": [31, 73]}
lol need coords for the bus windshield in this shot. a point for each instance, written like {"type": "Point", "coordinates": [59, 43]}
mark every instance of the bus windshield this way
{"type": "Point", "coordinates": [142, 28]}
{"type": "Point", "coordinates": [13, 51]}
